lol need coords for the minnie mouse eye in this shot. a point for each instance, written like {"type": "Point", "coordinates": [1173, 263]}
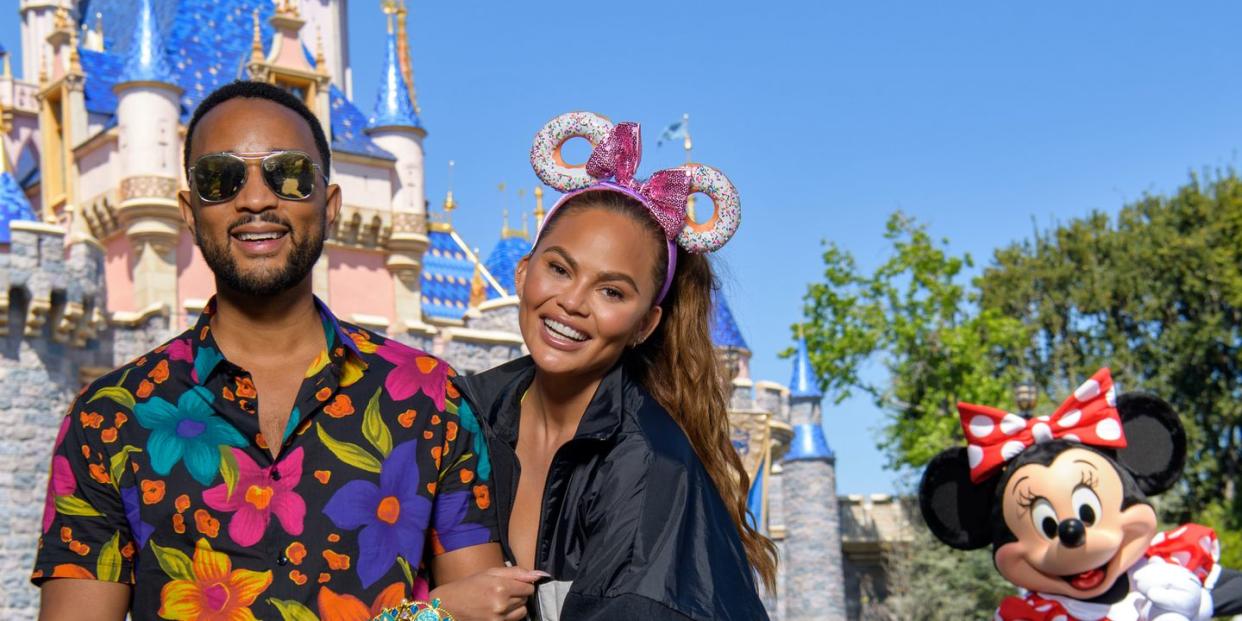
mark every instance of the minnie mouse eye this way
{"type": "Point", "coordinates": [1044, 517]}
{"type": "Point", "coordinates": [1086, 505]}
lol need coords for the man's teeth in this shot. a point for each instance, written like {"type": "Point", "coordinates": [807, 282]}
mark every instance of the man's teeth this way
{"type": "Point", "coordinates": [564, 330]}
{"type": "Point", "coordinates": [260, 236]}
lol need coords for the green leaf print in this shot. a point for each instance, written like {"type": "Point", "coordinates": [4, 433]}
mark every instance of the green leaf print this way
{"type": "Point", "coordinates": [108, 567]}
{"type": "Point", "coordinates": [116, 465]}
{"type": "Point", "coordinates": [72, 505]}
{"type": "Point", "coordinates": [348, 452]}
{"type": "Point", "coordinates": [228, 470]}
{"type": "Point", "coordinates": [292, 611]}
{"type": "Point", "coordinates": [174, 562]}
{"type": "Point", "coordinates": [373, 427]}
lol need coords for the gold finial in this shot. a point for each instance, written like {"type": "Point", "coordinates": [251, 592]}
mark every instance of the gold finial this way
{"type": "Point", "coordinates": [7, 70]}
{"type": "Point", "coordinates": [256, 44]}
{"type": "Point", "coordinates": [321, 61]}
{"type": "Point", "coordinates": [403, 54]}
{"type": "Point", "coordinates": [75, 59]}
{"type": "Point", "coordinates": [449, 204]}
{"type": "Point", "coordinates": [504, 227]}
{"type": "Point", "coordinates": [538, 207]}
{"type": "Point", "coordinates": [525, 226]}
{"type": "Point", "coordinates": [6, 123]}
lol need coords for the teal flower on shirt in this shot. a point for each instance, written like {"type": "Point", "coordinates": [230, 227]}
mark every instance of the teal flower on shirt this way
{"type": "Point", "coordinates": [471, 424]}
{"type": "Point", "coordinates": [189, 431]}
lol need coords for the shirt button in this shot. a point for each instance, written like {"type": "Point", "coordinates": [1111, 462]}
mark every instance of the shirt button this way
{"type": "Point", "coordinates": [275, 474]}
{"type": "Point", "coordinates": [282, 560]}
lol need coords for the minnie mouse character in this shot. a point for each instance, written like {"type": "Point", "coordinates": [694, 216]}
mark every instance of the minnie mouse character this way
{"type": "Point", "coordinates": [1063, 501]}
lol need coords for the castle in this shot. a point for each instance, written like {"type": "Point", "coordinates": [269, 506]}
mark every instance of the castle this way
{"type": "Point", "coordinates": [96, 266]}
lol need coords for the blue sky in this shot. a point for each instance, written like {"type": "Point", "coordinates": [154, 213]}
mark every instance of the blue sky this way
{"type": "Point", "coordinates": [977, 118]}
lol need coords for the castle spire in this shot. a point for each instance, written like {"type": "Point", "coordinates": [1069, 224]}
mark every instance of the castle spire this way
{"type": "Point", "coordinates": [393, 107]}
{"type": "Point", "coordinates": [146, 61]}
{"type": "Point", "coordinates": [803, 384]}
{"type": "Point", "coordinates": [538, 208]}
{"type": "Point", "coordinates": [403, 53]}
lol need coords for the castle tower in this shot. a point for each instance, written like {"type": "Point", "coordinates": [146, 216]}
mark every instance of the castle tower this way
{"type": "Point", "coordinates": [148, 116]}
{"type": "Point", "coordinates": [327, 25]}
{"type": "Point", "coordinates": [813, 560]}
{"type": "Point", "coordinates": [395, 127]}
{"type": "Point", "coordinates": [62, 117]}
{"type": "Point", "coordinates": [286, 65]}
{"type": "Point", "coordinates": [39, 18]}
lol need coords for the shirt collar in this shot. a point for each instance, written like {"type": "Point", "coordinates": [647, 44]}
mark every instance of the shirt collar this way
{"type": "Point", "coordinates": [207, 355]}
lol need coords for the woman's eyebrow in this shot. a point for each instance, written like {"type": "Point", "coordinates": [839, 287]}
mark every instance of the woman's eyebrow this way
{"type": "Point", "coordinates": [573, 265]}
{"type": "Point", "coordinates": [623, 277]}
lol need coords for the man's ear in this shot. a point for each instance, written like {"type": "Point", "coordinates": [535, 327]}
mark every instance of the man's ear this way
{"type": "Point", "coordinates": [187, 212]}
{"type": "Point", "coordinates": [1155, 449]}
{"type": "Point", "coordinates": [333, 207]}
{"type": "Point", "coordinates": [957, 511]}
{"type": "Point", "coordinates": [519, 275]}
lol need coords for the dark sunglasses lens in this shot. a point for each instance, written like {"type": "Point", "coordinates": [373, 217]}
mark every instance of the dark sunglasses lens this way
{"type": "Point", "coordinates": [219, 177]}
{"type": "Point", "coordinates": [290, 175]}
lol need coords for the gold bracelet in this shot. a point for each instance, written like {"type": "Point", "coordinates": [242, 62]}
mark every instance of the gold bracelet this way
{"type": "Point", "coordinates": [416, 611]}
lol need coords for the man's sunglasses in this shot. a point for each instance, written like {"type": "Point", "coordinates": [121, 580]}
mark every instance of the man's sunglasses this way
{"type": "Point", "coordinates": [218, 177]}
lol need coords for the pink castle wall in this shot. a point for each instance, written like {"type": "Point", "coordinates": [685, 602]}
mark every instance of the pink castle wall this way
{"type": "Point", "coordinates": [118, 261]}
{"type": "Point", "coordinates": [194, 278]}
{"type": "Point", "coordinates": [358, 282]}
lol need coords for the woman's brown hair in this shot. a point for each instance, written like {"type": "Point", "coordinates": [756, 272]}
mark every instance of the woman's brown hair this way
{"type": "Point", "coordinates": [678, 361]}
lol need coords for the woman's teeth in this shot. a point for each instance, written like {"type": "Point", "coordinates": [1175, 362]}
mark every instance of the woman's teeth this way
{"type": "Point", "coordinates": [564, 330]}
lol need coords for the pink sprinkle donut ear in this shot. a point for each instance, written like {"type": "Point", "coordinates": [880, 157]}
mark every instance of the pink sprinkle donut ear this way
{"type": "Point", "coordinates": [545, 154]}
{"type": "Point", "coordinates": [726, 211]}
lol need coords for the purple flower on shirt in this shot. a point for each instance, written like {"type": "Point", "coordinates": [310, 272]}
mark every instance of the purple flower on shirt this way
{"type": "Point", "coordinates": [393, 515]}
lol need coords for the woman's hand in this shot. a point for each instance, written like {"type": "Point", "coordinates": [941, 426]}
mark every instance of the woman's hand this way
{"type": "Point", "coordinates": [497, 594]}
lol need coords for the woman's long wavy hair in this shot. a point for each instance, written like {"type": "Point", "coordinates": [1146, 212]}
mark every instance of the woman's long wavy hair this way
{"type": "Point", "coordinates": [677, 364]}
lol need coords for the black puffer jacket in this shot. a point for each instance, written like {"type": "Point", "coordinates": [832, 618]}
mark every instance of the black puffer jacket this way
{"type": "Point", "coordinates": [632, 526]}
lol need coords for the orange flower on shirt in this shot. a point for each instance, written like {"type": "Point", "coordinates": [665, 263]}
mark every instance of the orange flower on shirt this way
{"type": "Point", "coordinates": [214, 591]}
{"type": "Point", "coordinates": [340, 407]}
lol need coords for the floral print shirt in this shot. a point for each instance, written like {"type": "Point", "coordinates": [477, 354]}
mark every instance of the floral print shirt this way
{"type": "Point", "coordinates": [162, 480]}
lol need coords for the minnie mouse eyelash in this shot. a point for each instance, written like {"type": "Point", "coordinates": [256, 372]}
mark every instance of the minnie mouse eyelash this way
{"type": "Point", "coordinates": [1089, 480]}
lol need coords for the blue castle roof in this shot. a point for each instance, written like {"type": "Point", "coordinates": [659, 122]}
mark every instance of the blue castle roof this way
{"type": "Point", "coordinates": [803, 383]}
{"type": "Point", "coordinates": [725, 332]}
{"type": "Point", "coordinates": [503, 259]}
{"type": "Point", "coordinates": [13, 205]}
{"type": "Point", "coordinates": [207, 44]}
{"type": "Point", "coordinates": [393, 107]}
{"type": "Point", "coordinates": [449, 277]}
{"type": "Point", "coordinates": [145, 61]}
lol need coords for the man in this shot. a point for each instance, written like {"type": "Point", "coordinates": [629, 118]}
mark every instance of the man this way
{"type": "Point", "coordinates": [270, 462]}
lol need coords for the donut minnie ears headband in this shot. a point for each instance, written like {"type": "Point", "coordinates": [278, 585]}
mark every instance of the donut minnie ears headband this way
{"type": "Point", "coordinates": [611, 167]}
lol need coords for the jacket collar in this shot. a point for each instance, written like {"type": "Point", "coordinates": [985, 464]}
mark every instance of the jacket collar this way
{"type": "Point", "coordinates": [497, 393]}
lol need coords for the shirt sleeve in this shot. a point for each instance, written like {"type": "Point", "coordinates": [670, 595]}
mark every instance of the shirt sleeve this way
{"type": "Point", "coordinates": [463, 514]}
{"type": "Point", "coordinates": [1192, 546]}
{"type": "Point", "coordinates": [85, 533]}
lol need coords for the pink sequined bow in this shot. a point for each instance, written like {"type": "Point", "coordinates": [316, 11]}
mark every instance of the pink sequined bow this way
{"type": "Point", "coordinates": [665, 192]}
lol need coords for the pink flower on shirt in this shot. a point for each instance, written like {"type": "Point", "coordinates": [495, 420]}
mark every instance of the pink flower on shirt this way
{"type": "Point", "coordinates": [259, 494]}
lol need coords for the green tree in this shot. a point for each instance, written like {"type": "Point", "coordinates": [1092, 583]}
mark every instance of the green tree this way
{"type": "Point", "coordinates": [1154, 293]}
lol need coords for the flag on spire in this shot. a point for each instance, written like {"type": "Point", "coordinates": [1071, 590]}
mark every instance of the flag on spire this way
{"type": "Point", "coordinates": [680, 129]}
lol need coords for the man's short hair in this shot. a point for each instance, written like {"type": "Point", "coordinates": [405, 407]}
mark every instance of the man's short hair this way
{"type": "Point", "coordinates": [258, 90]}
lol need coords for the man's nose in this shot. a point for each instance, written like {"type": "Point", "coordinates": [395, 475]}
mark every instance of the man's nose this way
{"type": "Point", "coordinates": [254, 195]}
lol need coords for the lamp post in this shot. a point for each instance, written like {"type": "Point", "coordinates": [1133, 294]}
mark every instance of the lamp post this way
{"type": "Point", "coordinates": [1025, 396]}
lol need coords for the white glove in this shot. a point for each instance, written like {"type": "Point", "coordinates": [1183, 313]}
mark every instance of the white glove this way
{"type": "Point", "coordinates": [1171, 593]}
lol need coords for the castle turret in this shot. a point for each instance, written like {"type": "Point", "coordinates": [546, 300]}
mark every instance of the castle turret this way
{"type": "Point", "coordinates": [62, 117]}
{"type": "Point", "coordinates": [815, 576]}
{"type": "Point", "coordinates": [148, 115]}
{"type": "Point", "coordinates": [395, 127]}
{"type": "Point", "coordinates": [39, 19]}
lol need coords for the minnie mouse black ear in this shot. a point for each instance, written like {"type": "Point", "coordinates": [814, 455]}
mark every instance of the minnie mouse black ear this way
{"type": "Point", "coordinates": [1155, 449]}
{"type": "Point", "coordinates": [956, 510]}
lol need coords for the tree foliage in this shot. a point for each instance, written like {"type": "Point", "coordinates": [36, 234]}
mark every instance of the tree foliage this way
{"type": "Point", "coordinates": [1154, 293]}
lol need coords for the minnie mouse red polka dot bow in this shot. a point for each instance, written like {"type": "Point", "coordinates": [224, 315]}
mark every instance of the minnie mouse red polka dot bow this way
{"type": "Point", "coordinates": [995, 436]}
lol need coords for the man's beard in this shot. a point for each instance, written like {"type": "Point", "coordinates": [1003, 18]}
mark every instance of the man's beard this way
{"type": "Point", "coordinates": [260, 283]}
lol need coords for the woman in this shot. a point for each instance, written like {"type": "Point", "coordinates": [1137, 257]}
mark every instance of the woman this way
{"type": "Point", "coordinates": [612, 464]}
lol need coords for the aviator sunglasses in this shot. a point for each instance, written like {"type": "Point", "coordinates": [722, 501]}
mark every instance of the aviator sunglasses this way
{"type": "Point", "coordinates": [218, 177]}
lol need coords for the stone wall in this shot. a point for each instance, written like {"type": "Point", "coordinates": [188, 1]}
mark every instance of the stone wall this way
{"type": "Point", "coordinates": [816, 590]}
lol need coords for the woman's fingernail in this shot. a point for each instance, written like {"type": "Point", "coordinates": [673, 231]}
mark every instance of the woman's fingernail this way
{"type": "Point", "coordinates": [542, 574]}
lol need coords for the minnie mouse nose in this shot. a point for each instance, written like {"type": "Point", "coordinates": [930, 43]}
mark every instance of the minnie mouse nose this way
{"type": "Point", "coordinates": [1072, 533]}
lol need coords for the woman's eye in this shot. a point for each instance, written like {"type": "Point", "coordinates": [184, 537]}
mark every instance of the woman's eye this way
{"type": "Point", "coordinates": [614, 293]}
{"type": "Point", "coordinates": [557, 269]}
{"type": "Point", "coordinates": [1086, 505]}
